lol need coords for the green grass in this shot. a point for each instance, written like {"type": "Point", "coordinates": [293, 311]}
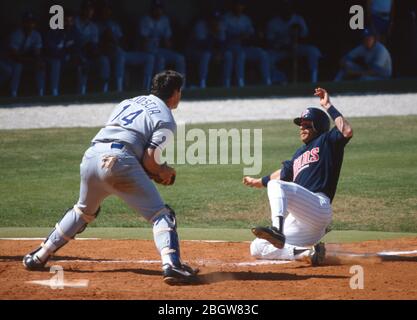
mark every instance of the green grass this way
{"type": "Point", "coordinates": [342, 236]}
{"type": "Point", "coordinates": [39, 172]}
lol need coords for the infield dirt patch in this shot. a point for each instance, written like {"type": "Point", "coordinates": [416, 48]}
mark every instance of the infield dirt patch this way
{"type": "Point", "coordinates": [130, 269]}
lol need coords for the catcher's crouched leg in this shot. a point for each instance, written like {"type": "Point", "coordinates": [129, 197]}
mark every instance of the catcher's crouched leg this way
{"type": "Point", "coordinates": [72, 223]}
{"type": "Point", "coordinates": [166, 237]}
{"type": "Point", "coordinates": [167, 242]}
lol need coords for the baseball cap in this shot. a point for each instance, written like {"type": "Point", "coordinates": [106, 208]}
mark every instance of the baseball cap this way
{"type": "Point", "coordinates": [305, 116]}
{"type": "Point", "coordinates": [318, 117]}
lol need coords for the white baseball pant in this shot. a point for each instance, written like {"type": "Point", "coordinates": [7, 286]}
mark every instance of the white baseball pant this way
{"type": "Point", "coordinates": [306, 214]}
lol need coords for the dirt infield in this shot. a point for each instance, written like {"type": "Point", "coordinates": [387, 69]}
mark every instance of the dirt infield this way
{"type": "Point", "coordinates": [130, 269]}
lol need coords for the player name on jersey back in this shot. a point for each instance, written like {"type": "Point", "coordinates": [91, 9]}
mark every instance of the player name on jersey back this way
{"type": "Point", "coordinates": [135, 123]}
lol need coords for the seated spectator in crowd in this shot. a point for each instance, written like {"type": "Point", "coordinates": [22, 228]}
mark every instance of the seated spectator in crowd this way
{"type": "Point", "coordinates": [63, 49]}
{"type": "Point", "coordinates": [5, 70]}
{"type": "Point", "coordinates": [239, 32]}
{"type": "Point", "coordinates": [112, 52]}
{"type": "Point", "coordinates": [380, 14]}
{"type": "Point", "coordinates": [155, 30]}
{"type": "Point", "coordinates": [209, 42]}
{"type": "Point", "coordinates": [90, 47]}
{"type": "Point", "coordinates": [369, 61]}
{"type": "Point", "coordinates": [283, 35]}
{"type": "Point", "coordinates": [24, 51]}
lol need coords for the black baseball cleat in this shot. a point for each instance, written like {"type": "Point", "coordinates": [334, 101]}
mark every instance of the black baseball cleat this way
{"type": "Point", "coordinates": [319, 256]}
{"type": "Point", "coordinates": [177, 275]}
{"type": "Point", "coordinates": [30, 262]}
{"type": "Point", "coordinates": [270, 234]}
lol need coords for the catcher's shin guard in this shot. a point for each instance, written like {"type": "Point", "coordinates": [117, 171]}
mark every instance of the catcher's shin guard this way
{"type": "Point", "coordinates": [72, 223]}
{"type": "Point", "coordinates": [166, 237]}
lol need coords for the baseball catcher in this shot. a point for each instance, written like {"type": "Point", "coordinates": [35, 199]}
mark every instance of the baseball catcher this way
{"type": "Point", "coordinates": [122, 160]}
{"type": "Point", "coordinates": [301, 192]}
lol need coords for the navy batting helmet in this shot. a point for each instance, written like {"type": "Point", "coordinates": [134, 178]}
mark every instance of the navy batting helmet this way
{"type": "Point", "coordinates": [319, 118]}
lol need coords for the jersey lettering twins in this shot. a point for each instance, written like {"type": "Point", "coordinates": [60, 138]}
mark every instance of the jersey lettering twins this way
{"type": "Point", "coordinates": [316, 165]}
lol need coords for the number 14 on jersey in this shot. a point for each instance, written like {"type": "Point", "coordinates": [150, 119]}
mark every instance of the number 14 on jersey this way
{"type": "Point", "coordinates": [128, 119]}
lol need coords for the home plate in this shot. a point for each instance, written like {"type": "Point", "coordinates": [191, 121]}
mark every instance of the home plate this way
{"type": "Point", "coordinates": [54, 284]}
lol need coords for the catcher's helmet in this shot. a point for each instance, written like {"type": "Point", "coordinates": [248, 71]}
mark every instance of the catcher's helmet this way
{"type": "Point", "coordinates": [319, 118]}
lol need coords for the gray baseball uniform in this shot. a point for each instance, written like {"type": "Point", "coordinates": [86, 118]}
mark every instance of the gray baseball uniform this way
{"type": "Point", "coordinates": [137, 124]}
{"type": "Point", "coordinates": [112, 165]}
{"type": "Point", "coordinates": [138, 128]}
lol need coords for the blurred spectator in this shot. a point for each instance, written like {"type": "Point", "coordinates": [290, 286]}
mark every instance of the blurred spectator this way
{"type": "Point", "coordinates": [111, 48]}
{"type": "Point", "coordinates": [63, 48]}
{"type": "Point", "coordinates": [89, 47]}
{"type": "Point", "coordinates": [283, 35]}
{"type": "Point", "coordinates": [239, 32]}
{"type": "Point", "coordinates": [111, 53]}
{"type": "Point", "coordinates": [24, 51]}
{"type": "Point", "coordinates": [209, 42]}
{"type": "Point", "coordinates": [369, 61]}
{"type": "Point", "coordinates": [155, 29]}
{"type": "Point", "coordinates": [5, 70]}
{"type": "Point", "coordinates": [380, 13]}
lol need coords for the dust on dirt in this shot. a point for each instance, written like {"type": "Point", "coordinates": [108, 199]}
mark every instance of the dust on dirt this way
{"type": "Point", "coordinates": [130, 269]}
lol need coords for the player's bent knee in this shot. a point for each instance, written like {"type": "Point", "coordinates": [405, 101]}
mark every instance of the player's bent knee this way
{"type": "Point", "coordinates": [275, 188]}
{"type": "Point", "coordinates": [72, 223]}
{"type": "Point", "coordinates": [77, 221]}
{"type": "Point", "coordinates": [87, 218]}
{"type": "Point", "coordinates": [259, 248]}
{"type": "Point", "coordinates": [262, 249]}
{"type": "Point", "coordinates": [281, 187]}
{"type": "Point", "coordinates": [273, 183]}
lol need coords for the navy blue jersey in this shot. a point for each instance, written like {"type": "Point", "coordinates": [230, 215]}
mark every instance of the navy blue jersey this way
{"type": "Point", "coordinates": [316, 165]}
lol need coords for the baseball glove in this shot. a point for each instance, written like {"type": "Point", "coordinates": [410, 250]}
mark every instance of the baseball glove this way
{"type": "Point", "coordinates": [159, 180]}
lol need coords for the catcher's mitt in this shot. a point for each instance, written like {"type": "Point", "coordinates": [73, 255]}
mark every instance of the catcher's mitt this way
{"type": "Point", "coordinates": [159, 180]}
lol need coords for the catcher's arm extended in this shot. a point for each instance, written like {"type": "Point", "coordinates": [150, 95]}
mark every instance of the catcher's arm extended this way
{"type": "Point", "coordinates": [162, 174]}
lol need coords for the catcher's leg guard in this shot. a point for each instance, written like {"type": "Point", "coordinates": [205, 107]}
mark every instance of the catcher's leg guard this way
{"type": "Point", "coordinates": [72, 223]}
{"type": "Point", "coordinates": [166, 237]}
